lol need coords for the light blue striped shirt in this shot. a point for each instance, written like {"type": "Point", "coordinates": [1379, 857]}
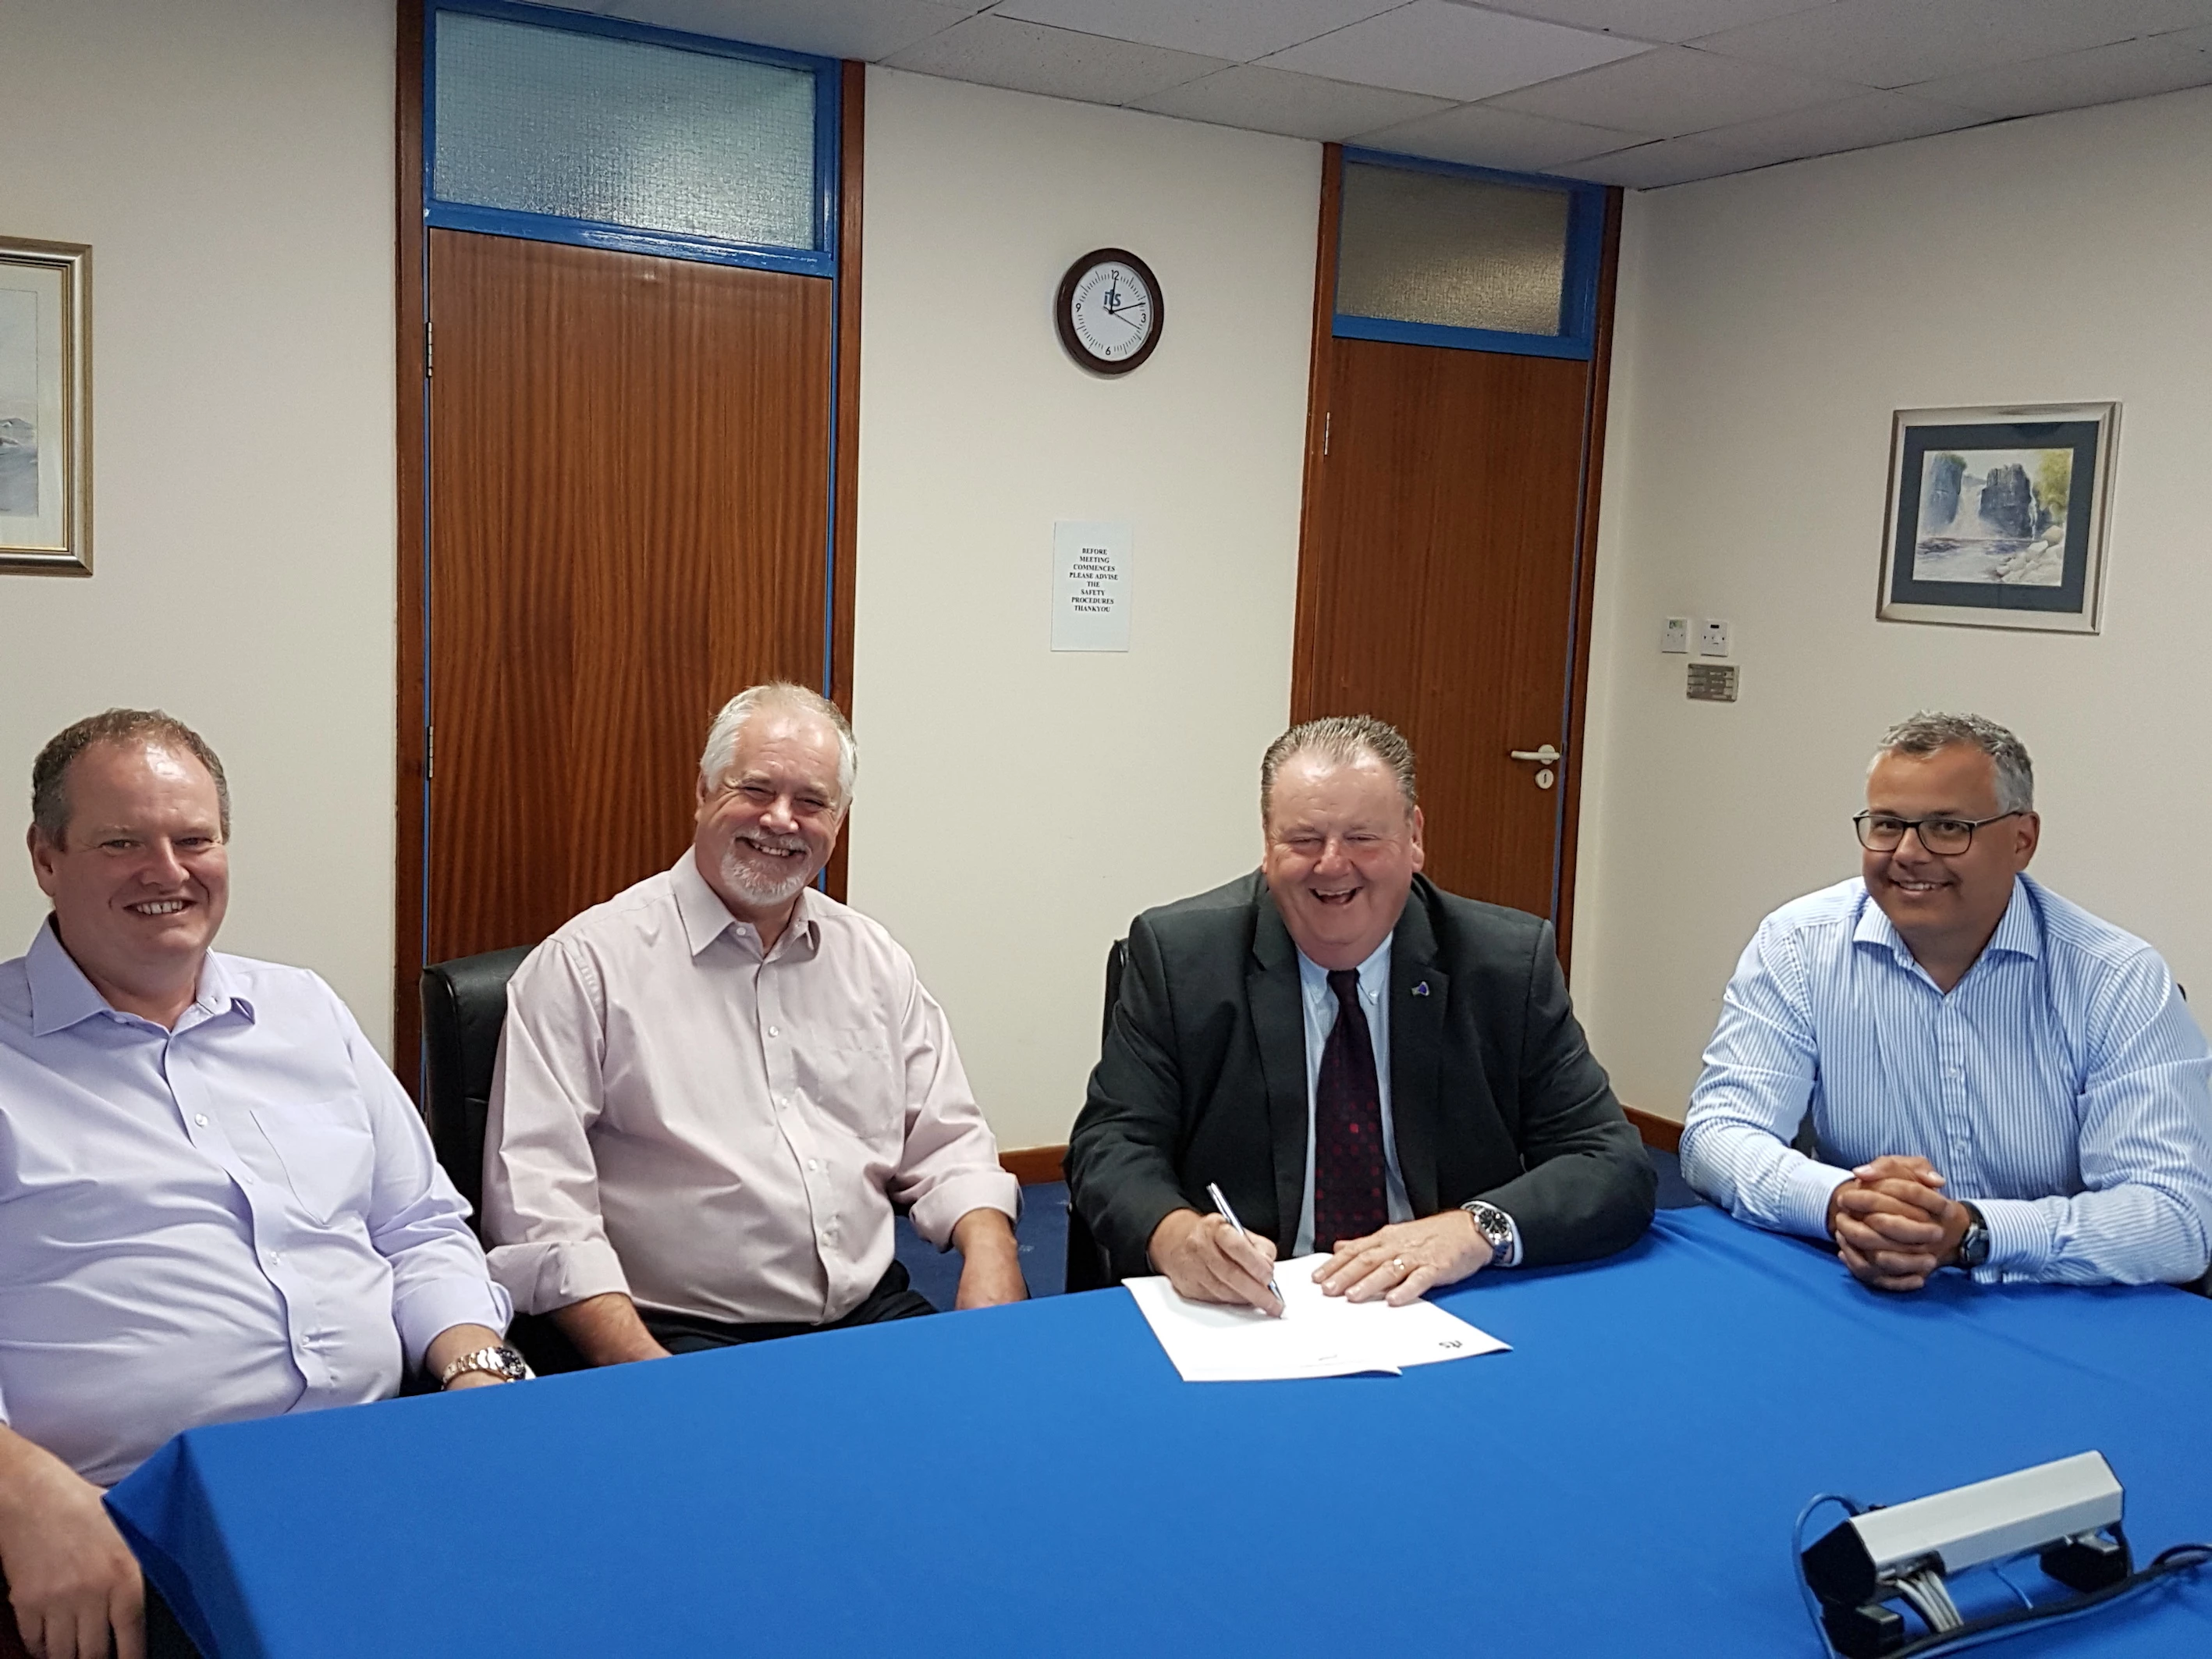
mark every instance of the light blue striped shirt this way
{"type": "Point", "coordinates": [2061, 1085]}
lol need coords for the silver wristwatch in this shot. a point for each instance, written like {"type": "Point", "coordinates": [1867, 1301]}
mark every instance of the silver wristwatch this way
{"type": "Point", "coordinates": [1497, 1227]}
{"type": "Point", "coordinates": [502, 1362]}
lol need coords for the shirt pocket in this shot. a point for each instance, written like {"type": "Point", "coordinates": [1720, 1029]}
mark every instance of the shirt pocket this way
{"type": "Point", "coordinates": [328, 1153]}
{"type": "Point", "coordinates": [849, 1077]}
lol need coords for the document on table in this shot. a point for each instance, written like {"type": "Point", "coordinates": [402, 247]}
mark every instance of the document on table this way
{"type": "Point", "coordinates": [1317, 1335]}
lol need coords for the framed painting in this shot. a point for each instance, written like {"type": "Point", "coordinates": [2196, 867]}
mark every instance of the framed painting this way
{"type": "Point", "coordinates": [1997, 516]}
{"type": "Point", "coordinates": [45, 407]}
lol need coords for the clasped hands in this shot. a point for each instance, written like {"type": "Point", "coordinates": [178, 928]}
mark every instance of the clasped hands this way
{"type": "Point", "coordinates": [1892, 1225]}
{"type": "Point", "coordinates": [1207, 1260]}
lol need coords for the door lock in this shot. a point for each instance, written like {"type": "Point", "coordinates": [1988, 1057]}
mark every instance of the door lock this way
{"type": "Point", "coordinates": [1546, 759]}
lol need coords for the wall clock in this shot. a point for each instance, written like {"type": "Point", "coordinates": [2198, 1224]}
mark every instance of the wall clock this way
{"type": "Point", "coordinates": [1109, 311]}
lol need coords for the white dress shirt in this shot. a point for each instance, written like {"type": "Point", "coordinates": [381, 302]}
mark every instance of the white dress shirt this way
{"type": "Point", "coordinates": [719, 1133]}
{"type": "Point", "coordinates": [234, 1219]}
{"type": "Point", "coordinates": [2060, 1085]}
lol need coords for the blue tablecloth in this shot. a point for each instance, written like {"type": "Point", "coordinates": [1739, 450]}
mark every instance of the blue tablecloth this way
{"type": "Point", "coordinates": [1036, 1479]}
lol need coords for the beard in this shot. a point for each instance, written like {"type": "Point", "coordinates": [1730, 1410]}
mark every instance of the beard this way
{"type": "Point", "coordinates": [762, 887]}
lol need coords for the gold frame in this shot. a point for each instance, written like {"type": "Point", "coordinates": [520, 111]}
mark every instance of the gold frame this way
{"type": "Point", "coordinates": [71, 556]}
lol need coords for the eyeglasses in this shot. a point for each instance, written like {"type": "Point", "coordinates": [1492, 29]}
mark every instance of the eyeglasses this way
{"type": "Point", "coordinates": [1878, 832]}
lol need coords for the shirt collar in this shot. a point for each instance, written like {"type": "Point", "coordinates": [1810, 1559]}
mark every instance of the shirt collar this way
{"type": "Point", "coordinates": [2017, 932]}
{"type": "Point", "coordinates": [706, 918]}
{"type": "Point", "coordinates": [62, 996]}
{"type": "Point", "coordinates": [1374, 973]}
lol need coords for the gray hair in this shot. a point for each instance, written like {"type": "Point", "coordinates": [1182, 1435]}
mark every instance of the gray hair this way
{"type": "Point", "coordinates": [50, 805]}
{"type": "Point", "coordinates": [1928, 732]}
{"type": "Point", "coordinates": [721, 750]}
{"type": "Point", "coordinates": [1342, 739]}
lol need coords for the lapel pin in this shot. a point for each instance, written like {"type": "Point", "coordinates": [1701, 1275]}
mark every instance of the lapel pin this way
{"type": "Point", "coordinates": [1420, 987]}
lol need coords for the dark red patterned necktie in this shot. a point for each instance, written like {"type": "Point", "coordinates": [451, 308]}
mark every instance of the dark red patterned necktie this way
{"type": "Point", "coordinates": [1348, 1201]}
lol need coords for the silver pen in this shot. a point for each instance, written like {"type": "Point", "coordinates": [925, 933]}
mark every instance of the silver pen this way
{"type": "Point", "coordinates": [1229, 1216]}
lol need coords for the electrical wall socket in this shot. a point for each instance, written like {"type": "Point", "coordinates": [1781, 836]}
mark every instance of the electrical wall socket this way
{"type": "Point", "coordinates": [1675, 636]}
{"type": "Point", "coordinates": [1713, 637]}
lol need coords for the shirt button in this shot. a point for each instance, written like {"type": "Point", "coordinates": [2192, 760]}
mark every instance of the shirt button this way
{"type": "Point", "coordinates": [201, 1120]}
{"type": "Point", "coordinates": [772, 1031]}
{"type": "Point", "coordinates": [814, 1164]}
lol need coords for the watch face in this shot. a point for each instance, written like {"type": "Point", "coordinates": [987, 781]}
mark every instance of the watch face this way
{"type": "Point", "coordinates": [1108, 311]}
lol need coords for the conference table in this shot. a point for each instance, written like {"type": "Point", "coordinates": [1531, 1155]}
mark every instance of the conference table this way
{"type": "Point", "coordinates": [1037, 1479]}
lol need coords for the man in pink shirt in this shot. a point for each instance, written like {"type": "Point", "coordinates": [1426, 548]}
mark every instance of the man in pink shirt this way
{"type": "Point", "coordinates": [714, 1089]}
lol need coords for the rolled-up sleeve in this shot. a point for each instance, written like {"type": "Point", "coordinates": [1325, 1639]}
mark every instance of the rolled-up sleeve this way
{"type": "Point", "coordinates": [541, 1188]}
{"type": "Point", "coordinates": [949, 1163]}
{"type": "Point", "coordinates": [1759, 1070]}
{"type": "Point", "coordinates": [416, 1221]}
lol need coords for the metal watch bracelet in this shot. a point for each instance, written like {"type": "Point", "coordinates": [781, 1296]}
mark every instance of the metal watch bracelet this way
{"type": "Point", "coordinates": [500, 1361]}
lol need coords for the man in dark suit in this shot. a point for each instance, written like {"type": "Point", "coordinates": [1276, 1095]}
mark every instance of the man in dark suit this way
{"type": "Point", "coordinates": [1363, 1063]}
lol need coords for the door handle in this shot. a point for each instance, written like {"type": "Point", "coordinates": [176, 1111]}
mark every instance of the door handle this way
{"type": "Point", "coordinates": [1546, 755]}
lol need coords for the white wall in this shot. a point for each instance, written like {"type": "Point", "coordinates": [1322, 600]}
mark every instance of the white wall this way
{"type": "Point", "coordinates": [1017, 807]}
{"type": "Point", "coordinates": [1770, 324]}
{"type": "Point", "coordinates": [230, 162]}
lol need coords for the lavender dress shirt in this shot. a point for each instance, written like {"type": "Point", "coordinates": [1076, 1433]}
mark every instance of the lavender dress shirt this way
{"type": "Point", "coordinates": [235, 1218]}
{"type": "Point", "coordinates": [717, 1132]}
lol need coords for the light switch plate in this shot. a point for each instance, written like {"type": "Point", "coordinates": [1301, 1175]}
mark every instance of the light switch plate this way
{"type": "Point", "coordinates": [1675, 636]}
{"type": "Point", "coordinates": [1713, 637]}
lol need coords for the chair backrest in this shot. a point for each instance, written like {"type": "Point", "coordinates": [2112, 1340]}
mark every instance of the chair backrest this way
{"type": "Point", "coordinates": [463, 1007]}
{"type": "Point", "coordinates": [1088, 1268]}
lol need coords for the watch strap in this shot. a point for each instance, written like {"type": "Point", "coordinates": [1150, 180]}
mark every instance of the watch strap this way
{"type": "Point", "coordinates": [498, 1360]}
{"type": "Point", "coordinates": [1974, 1242]}
{"type": "Point", "coordinates": [1497, 1227]}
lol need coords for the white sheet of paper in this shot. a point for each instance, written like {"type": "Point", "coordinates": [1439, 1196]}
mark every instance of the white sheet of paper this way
{"type": "Point", "coordinates": [1091, 577]}
{"type": "Point", "coordinates": [1317, 1335]}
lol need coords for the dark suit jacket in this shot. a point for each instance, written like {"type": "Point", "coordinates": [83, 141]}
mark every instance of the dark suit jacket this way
{"type": "Point", "coordinates": [1494, 1093]}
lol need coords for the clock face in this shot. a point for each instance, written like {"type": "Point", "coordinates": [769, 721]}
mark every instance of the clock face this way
{"type": "Point", "coordinates": [1109, 311]}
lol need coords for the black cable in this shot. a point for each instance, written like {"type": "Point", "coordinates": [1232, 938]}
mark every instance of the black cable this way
{"type": "Point", "coordinates": [2179, 1558]}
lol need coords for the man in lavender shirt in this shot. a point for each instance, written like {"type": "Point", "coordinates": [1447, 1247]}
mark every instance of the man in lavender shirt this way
{"type": "Point", "coordinates": [714, 1089]}
{"type": "Point", "coordinates": [215, 1201]}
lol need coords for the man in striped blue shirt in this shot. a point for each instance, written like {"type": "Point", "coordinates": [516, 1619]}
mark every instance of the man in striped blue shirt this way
{"type": "Point", "coordinates": [1995, 1079]}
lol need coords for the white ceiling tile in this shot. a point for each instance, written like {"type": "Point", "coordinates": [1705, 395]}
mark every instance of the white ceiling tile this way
{"type": "Point", "coordinates": [1896, 43]}
{"type": "Point", "coordinates": [2104, 75]}
{"type": "Point", "coordinates": [1001, 51]}
{"type": "Point", "coordinates": [1276, 100]}
{"type": "Point", "coordinates": [1451, 51]}
{"type": "Point", "coordinates": [1665, 162]}
{"type": "Point", "coordinates": [1673, 90]}
{"type": "Point", "coordinates": [866, 30]}
{"type": "Point", "coordinates": [1654, 19]}
{"type": "Point", "coordinates": [1239, 32]}
{"type": "Point", "coordinates": [1872, 117]}
{"type": "Point", "coordinates": [1482, 135]}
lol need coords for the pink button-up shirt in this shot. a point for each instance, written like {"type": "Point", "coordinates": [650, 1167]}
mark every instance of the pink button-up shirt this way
{"type": "Point", "coordinates": [719, 1133]}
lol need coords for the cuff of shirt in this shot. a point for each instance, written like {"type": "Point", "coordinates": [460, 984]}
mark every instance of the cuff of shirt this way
{"type": "Point", "coordinates": [544, 1277]}
{"type": "Point", "coordinates": [935, 1214]}
{"type": "Point", "coordinates": [1806, 1187]}
{"type": "Point", "coordinates": [427, 1310]}
{"type": "Point", "coordinates": [2021, 1244]}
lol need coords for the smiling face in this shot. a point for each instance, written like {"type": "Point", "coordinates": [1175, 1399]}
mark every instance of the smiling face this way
{"type": "Point", "coordinates": [141, 877]}
{"type": "Point", "coordinates": [1342, 848]}
{"type": "Point", "coordinates": [1945, 908]}
{"type": "Point", "coordinates": [766, 827]}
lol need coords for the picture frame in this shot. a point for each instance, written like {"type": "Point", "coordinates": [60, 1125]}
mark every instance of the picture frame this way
{"type": "Point", "coordinates": [45, 407]}
{"type": "Point", "coordinates": [1997, 516]}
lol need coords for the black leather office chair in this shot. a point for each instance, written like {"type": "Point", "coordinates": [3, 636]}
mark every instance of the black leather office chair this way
{"type": "Point", "coordinates": [1088, 1268]}
{"type": "Point", "coordinates": [463, 1007]}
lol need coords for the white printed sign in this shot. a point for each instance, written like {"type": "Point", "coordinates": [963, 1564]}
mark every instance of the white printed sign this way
{"type": "Point", "coordinates": [1091, 579]}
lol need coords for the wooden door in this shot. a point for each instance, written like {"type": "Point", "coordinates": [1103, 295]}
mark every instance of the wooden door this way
{"type": "Point", "coordinates": [629, 507]}
{"type": "Point", "coordinates": [1437, 590]}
